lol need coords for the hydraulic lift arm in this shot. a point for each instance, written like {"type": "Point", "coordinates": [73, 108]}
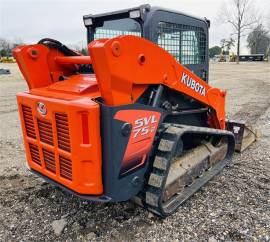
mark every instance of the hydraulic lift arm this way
{"type": "Point", "coordinates": [126, 65]}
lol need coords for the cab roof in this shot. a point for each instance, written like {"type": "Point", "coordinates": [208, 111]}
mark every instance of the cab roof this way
{"type": "Point", "coordinates": [144, 9]}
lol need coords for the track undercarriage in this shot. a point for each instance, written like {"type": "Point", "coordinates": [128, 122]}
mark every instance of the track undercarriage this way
{"type": "Point", "coordinates": [179, 170]}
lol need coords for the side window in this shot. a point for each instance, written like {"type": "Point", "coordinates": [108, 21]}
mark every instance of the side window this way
{"type": "Point", "coordinates": [186, 43]}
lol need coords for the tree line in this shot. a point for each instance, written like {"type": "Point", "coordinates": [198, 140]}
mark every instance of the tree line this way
{"type": "Point", "coordinates": [245, 21]}
{"type": "Point", "coordinates": [258, 42]}
{"type": "Point", "coordinates": [6, 46]}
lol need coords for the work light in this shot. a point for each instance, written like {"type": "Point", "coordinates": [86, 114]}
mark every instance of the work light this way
{"type": "Point", "coordinates": [88, 21]}
{"type": "Point", "coordinates": [135, 14]}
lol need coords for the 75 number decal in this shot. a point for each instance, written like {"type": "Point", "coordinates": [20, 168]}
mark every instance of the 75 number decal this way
{"type": "Point", "coordinates": [144, 126]}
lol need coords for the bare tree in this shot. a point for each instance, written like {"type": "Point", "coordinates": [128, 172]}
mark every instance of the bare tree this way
{"type": "Point", "coordinates": [229, 44]}
{"type": "Point", "coordinates": [259, 40]}
{"type": "Point", "coordinates": [5, 47]}
{"type": "Point", "coordinates": [239, 14]}
{"type": "Point", "coordinates": [267, 20]}
{"type": "Point", "coordinates": [4, 44]}
{"type": "Point", "coordinates": [226, 45]}
{"type": "Point", "coordinates": [222, 45]}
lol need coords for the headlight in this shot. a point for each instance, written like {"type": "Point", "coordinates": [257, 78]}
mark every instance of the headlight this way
{"type": "Point", "coordinates": [88, 21]}
{"type": "Point", "coordinates": [135, 14]}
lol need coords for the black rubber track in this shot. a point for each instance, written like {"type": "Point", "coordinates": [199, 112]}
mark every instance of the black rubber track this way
{"type": "Point", "coordinates": [152, 196]}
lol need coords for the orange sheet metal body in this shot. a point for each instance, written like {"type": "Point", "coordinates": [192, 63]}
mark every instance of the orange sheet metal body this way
{"type": "Point", "coordinates": [57, 144]}
{"type": "Point", "coordinates": [60, 118]}
{"type": "Point", "coordinates": [125, 65]}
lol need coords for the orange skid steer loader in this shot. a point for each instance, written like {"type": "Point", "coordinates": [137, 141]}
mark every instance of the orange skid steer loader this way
{"type": "Point", "coordinates": [136, 119]}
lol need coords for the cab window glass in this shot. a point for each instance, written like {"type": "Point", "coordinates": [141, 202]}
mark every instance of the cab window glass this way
{"type": "Point", "coordinates": [186, 43]}
{"type": "Point", "coordinates": [113, 28]}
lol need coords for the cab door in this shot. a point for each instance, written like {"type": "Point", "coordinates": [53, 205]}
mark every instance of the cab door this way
{"type": "Point", "coordinates": [184, 37]}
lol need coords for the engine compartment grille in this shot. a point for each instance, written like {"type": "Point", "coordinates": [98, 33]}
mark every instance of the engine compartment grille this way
{"type": "Point", "coordinates": [62, 131]}
{"type": "Point", "coordinates": [34, 154]}
{"type": "Point", "coordinates": [45, 132]}
{"type": "Point", "coordinates": [45, 135]}
{"type": "Point", "coordinates": [49, 160]}
{"type": "Point", "coordinates": [28, 122]}
{"type": "Point", "coordinates": [65, 167]}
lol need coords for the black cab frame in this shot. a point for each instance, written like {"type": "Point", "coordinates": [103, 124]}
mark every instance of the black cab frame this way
{"type": "Point", "coordinates": [183, 36]}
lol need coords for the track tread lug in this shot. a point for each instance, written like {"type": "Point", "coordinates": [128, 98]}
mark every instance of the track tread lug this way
{"type": "Point", "coordinates": [172, 130]}
{"type": "Point", "coordinates": [151, 199]}
{"type": "Point", "coordinates": [165, 145]}
{"type": "Point", "coordinates": [160, 163]}
{"type": "Point", "coordinates": [155, 180]}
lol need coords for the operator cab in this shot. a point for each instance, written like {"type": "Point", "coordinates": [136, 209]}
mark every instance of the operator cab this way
{"type": "Point", "coordinates": [183, 36]}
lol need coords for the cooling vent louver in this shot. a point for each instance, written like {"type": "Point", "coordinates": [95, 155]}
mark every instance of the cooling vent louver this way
{"type": "Point", "coordinates": [49, 160]}
{"type": "Point", "coordinates": [65, 167]}
{"type": "Point", "coordinates": [45, 132]}
{"type": "Point", "coordinates": [34, 154]}
{"type": "Point", "coordinates": [28, 121]}
{"type": "Point", "coordinates": [62, 131]}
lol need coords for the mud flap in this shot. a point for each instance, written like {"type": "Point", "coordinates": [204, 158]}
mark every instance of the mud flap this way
{"type": "Point", "coordinates": [244, 134]}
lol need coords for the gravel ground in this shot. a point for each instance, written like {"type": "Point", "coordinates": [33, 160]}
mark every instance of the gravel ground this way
{"type": "Point", "coordinates": [234, 206]}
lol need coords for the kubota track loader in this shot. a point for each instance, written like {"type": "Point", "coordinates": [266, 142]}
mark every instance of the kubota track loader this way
{"type": "Point", "coordinates": [134, 119]}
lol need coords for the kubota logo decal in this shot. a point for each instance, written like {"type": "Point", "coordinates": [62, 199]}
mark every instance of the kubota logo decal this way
{"type": "Point", "coordinates": [194, 85]}
{"type": "Point", "coordinates": [41, 108]}
{"type": "Point", "coordinates": [144, 125]}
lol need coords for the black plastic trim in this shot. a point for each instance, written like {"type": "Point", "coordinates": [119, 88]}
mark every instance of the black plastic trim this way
{"type": "Point", "coordinates": [114, 144]}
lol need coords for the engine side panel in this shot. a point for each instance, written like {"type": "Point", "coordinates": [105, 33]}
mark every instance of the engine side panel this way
{"type": "Point", "coordinates": [125, 157]}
